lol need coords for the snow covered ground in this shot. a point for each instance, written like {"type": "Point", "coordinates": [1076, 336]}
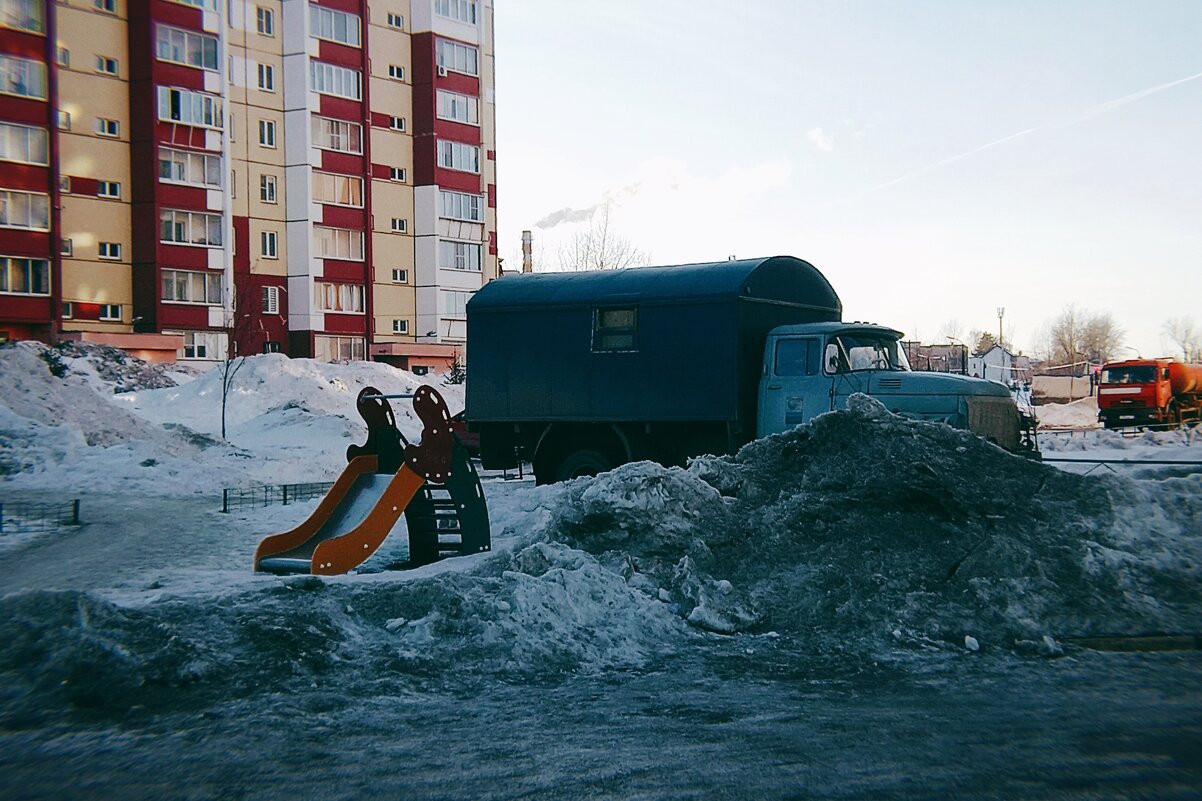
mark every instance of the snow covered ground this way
{"type": "Point", "coordinates": [865, 606]}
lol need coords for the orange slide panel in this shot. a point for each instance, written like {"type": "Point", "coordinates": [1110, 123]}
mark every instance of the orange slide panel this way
{"type": "Point", "coordinates": [337, 556]}
{"type": "Point", "coordinates": [281, 543]}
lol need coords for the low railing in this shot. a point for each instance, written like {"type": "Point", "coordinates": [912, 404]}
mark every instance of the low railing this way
{"type": "Point", "coordinates": [238, 498]}
{"type": "Point", "coordinates": [22, 516]}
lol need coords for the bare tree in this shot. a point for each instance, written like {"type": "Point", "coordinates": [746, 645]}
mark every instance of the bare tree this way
{"type": "Point", "coordinates": [952, 329]}
{"type": "Point", "coordinates": [1182, 332]}
{"type": "Point", "coordinates": [1101, 338]}
{"type": "Point", "coordinates": [1078, 336]}
{"type": "Point", "coordinates": [237, 327]}
{"type": "Point", "coordinates": [1064, 337]}
{"type": "Point", "coordinates": [599, 248]}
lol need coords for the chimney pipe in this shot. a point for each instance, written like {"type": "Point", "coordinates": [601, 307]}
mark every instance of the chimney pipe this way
{"type": "Point", "coordinates": [527, 252]}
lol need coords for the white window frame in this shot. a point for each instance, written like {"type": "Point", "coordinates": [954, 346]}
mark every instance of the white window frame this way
{"type": "Point", "coordinates": [458, 156]}
{"type": "Point", "coordinates": [458, 107]}
{"type": "Point", "coordinates": [185, 283]}
{"type": "Point", "coordinates": [30, 209]}
{"type": "Point", "coordinates": [107, 66]}
{"type": "Point", "coordinates": [399, 174]}
{"type": "Point", "coordinates": [461, 206]}
{"type": "Point", "coordinates": [327, 130]}
{"type": "Point", "coordinates": [340, 298]}
{"type": "Point", "coordinates": [337, 243]}
{"type": "Point", "coordinates": [465, 11]}
{"type": "Point", "coordinates": [458, 57]}
{"type": "Point", "coordinates": [335, 80]}
{"type": "Point", "coordinates": [455, 303]}
{"type": "Point", "coordinates": [396, 21]}
{"type": "Point", "coordinates": [36, 273]}
{"type": "Point", "coordinates": [267, 189]}
{"type": "Point", "coordinates": [23, 15]}
{"type": "Point", "coordinates": [396, 123]}
{"type": "Point", "coordinates": [400, 275]}
{"type": "Point", "coordinates": [269, 244]}
{"type": "Point", "coordinates": [190, 162]}
{"type": "Point", "coordinates": [207, 5]}
{"type": "Point", "coordinates": [271, 300]}
{"type": "Point", "coordinates": [400, 326]}
{"type": "Point", "coordinates": [190, 220]}
{"type": "Point", "coordinates": [454, 254]}
{"type": "Point", "coordinates": [330, 189]}
{"type": "Point", "coordinates": [396, 72]}
{"type": "Point", "coordinates": [399, 225]}
{"type": "Point", "coordinates": [195, 108]}
{"type": "Point", "coordinates": [110, 312]}
{"type": "Point", "coordinates": [19, 143]}
{"type": "Point", "coordinates": [324, 25]}
{"type": "Point", "coordinates": [267, 133]}
{"type": "Point", "coordinates": [265, 21]}
{"type": "Point", "coordinates": [107, 6]}
{"type": "Point", "coordinates": [22, 77]}
{"type": "Point", "coordinates": [197, 345]}
{"type": "Point", "coordinates": [107, 127]}
{"type": "Point", "coordinates": [110, 190]}
{"type": "Point", "coordinates": [266, 76]}
{"type": "Point", "coordinates": [108, 251]}
{"type": "Point", "coordinates": [189, 48]}
{"type": "Point", "coordinates": [339, 348]}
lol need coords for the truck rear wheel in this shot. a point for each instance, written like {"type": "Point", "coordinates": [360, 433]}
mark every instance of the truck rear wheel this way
{"type": "Point", "coordinates": [583, 462]}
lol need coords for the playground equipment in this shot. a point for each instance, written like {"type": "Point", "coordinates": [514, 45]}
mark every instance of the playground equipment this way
{"type": "Point", "coordinates": [433, 483]}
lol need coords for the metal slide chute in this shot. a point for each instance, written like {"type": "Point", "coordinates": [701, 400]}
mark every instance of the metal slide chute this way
{"type": "Point", "coordinates": [432, 482]}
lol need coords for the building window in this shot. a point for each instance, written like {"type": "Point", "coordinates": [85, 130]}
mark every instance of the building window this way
{"type": "Point", "coordinates": [106, 65]}
{"type": "Point", "coordinates": [395, 20]}
{"type": "Point", "coordinates": [336, 26]}
{"type": "Point", "coordinates": [190, 228]}
{"type": "Point", "coordinates": [110, 250]}
{"type": "Point", "coordinates": [68, 310]}
{"type": "Point", "coordinates": [400, 326]}
{"type": "Point", "coordinates": [266, 77]}
{"type": "Point", "coordinates": [28, 210]}
{"type": "Point", "coordinates": [455, 303]}
{"type": "Point", "coordinates": [24, 144]}
{"type": "Point", "coordinates": [399, 225]}
{"type": "Point", "coordinates": [339, 190]}
{"type": "Point", "coordinates": [267, 133]}
{"type": "Point", "coordinates": [189, 108]}
{"type": "Point", "coordinates": [459, 255]}
{"type": "Point", "coordinates": [338, 243]}
{"type": "Point", "coordinates": [265, 19]}
{"type": "Point", "coordinates": [24, 276]}
{"type": "Point", "coordinates": [458, 10]}
{"type": "Point", "coordinates": [66, 247]}
{"type": "Point", "coordinates": [180, 286]}
{"type": "Point", "coordinates": [268, 244]}
{"type": "Point", "coordinates": [267, 188]}
{"type": "Point", "coordinates": [462, 206]}
{"type": "Point", "coordinates": [397, 174]}
{"type": "Point", "coordinates": [203, 345]}
{"type": "Point", "coordinates": [400, 276]}
{"type": "Point", "coordinates": [110, 312]}
{"type": "Point", "coordinates": [22, 77]}
{"type": "Point", "coordinates": [458, 156]}
{"type": "Point", "coordinates": [615, 329]}
{"type": "Point", "coordinates": [341, 298]}
{"type": "Point", "coordinates": [64, 57]}
{"type": "Point", "coordinates": [187, 167]}
{"type": "Point", "coordinates": [396, 123]}
{"type": "Point", "coordinates": [25, 15]}
{"type": "Point", "coordinates": [396, 71]}
{"type": "Point", "coordinates": [271, 300]}
{"type": "Point", "coordinates": [64, 120]}
{"type": "Point", "coordinates": [186, 47]}
{"type": "Point", "coordinates": [107, 127]}
{"type": "Point", "coordinates": [458, 57]}
{"type": "Point", "coordinates": [459, 108]}
{"type": "Point", "coordinates": [339, 135]}
{"type": "Point", "coordinates": [109, 189]}
{"type": "Point", "coordinates": [330, 79]}
{"type": "Point", "coordinates": [107, 6]}
{"type": "Point", "coordinates": [333, 349]}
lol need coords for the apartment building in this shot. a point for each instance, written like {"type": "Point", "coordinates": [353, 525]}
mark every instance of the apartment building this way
{"type": "Point", "coordinates": [190, 178]}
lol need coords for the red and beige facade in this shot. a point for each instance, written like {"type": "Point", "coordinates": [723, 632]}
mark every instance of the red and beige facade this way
{"type": "Point", "coordinates": [194, 178]}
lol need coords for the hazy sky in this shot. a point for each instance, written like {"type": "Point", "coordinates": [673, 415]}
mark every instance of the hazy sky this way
{"type": "Point", "coordinates": [936, 160]}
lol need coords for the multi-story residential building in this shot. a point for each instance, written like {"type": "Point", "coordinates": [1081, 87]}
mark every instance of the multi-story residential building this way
{"type": "Point", "coordinates": [204, 176]}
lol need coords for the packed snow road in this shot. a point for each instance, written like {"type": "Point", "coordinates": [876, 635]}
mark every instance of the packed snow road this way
{"type": "Point", "coordinates": [862, 607]}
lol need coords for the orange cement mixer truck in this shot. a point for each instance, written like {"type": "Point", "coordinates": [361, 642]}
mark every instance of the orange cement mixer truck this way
{"type": "Point", "coordinates": [1160, 393]}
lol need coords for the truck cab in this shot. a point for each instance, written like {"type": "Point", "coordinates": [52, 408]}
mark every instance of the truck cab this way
{"type": "Point", "coordinates": [813, 368]}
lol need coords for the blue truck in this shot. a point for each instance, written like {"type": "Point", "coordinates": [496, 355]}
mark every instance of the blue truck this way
{"type": "Point", "coordinates": [577, 373]}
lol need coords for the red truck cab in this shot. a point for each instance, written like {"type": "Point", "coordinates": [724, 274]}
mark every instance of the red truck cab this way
{"type": "Point", "coordinates": [1136, 392]}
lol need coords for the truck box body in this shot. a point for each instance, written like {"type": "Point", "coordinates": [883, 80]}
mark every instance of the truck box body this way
{"type": "Point", "coordinates": [536, 348]}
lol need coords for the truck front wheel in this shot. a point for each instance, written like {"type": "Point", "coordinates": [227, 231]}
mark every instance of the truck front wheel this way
{"type": "Point", "coordinates": [583, 462]}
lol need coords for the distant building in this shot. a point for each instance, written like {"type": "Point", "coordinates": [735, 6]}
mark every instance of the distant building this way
{"type": "Point", "coordinates": [940, 358]}
{"type": "Point", "coordinates": [314, 178]}
{"type": "Point", "coordinates": [999, 364]}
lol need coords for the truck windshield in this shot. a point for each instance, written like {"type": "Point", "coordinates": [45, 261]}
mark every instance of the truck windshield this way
{"type": "Point", "coordinates": [849, 353]}
{"type": "Point", "coordinates": [1138, 374]}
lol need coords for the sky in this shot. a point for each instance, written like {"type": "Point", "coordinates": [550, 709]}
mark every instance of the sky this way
{"type": "Point", "coordinates": [936, 160]}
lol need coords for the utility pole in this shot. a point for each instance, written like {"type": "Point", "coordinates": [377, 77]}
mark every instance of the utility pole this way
{"type": "Point", "coordinates": [1001, 312]}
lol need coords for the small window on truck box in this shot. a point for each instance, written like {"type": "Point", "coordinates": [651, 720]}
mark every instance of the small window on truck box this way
{"type": "Point", "coordinates": [615, 329]}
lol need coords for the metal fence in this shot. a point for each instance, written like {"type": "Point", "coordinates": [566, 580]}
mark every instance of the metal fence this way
{"type": "Point", "coordinates": [237, 498]}
{"type": "Point", "coordinates": [21, 516]}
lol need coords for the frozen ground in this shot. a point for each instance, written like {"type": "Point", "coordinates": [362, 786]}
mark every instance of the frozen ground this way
{"type": "Point", "coordinates": [864, 607]}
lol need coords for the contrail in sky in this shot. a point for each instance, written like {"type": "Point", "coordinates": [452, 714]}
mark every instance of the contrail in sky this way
{"type": "Point", "coordinates": [1088, 114]}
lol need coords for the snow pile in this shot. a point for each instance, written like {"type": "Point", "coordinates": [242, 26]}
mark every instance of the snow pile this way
{"type": "Point", "coordinates": [1078, 414]}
